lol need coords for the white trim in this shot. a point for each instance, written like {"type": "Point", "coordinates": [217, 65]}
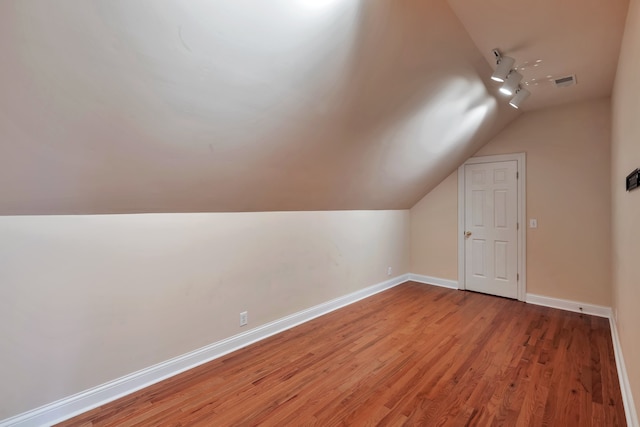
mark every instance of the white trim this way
{"type": "Point", "coordinates": [428, 280]}
{"type": "Point", "coordinates": [625, 388]}
{"type": "Point", "coordinates": [520, 158]}
{"type": "Point", "coordinates": [569, 305]}
{"type": "Point", "coordinates": [462, 284]}
{"type": "Point", "coordinates": [89, 399]}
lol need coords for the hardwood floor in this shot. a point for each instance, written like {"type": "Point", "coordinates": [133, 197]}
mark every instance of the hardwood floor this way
{"type": "Point", "coordinates": [413, 355]}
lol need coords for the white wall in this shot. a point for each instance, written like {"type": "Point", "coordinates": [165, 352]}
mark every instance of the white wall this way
{"type": "Point", "coordinates": [87, 299]}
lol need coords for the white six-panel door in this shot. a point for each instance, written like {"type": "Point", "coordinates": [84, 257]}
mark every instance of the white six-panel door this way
{"type": "Point", "coordinates": [491, 233]}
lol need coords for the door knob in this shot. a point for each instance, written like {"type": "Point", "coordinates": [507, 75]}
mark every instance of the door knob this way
{"type": "Point", "coordinates": [467, 233]}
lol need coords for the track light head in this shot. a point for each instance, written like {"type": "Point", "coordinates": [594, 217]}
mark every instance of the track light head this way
{"type": "Point", "coordinates": [519, 98]}
{"type": "Point", "coordinates": [504, 64]}
{"type": "Point", "coordinates": [511, 82]}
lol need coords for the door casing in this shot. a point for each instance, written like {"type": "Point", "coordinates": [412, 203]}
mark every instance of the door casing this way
{"type": "Point", "coordinates": [521, 246]}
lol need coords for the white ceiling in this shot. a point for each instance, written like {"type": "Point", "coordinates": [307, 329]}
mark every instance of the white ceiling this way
{"type": "Point", "coordinates": [113, 106]}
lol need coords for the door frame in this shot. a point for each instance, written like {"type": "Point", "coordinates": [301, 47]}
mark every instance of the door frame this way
{"type": "Point", "coordinates": [520, 158]}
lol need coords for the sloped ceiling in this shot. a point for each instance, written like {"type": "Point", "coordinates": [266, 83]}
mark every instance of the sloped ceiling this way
{"type": "Point", "coordinates": [119, 106]}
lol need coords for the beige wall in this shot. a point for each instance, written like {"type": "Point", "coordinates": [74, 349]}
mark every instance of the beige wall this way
{"type": "Point", "coordinates": [626, 206]}
{"type": "Point", "coordinates": [87, 299]}
{"type": "Point", "coordinates": [568, 255]}
{"type": "Point", "coordinates": [434, 225]}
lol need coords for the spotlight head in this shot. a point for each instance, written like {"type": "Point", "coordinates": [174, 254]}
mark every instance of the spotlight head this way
{"type": "Point", "coordinates": [511, 82]}
{"type": "Point", "coordinates": [520, 96]}
{"type": "Point", "coordinates": [504, 64]}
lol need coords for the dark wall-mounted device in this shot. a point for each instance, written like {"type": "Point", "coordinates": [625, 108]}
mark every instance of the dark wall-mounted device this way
{"type": "Point", "coordinates": [633, 180]}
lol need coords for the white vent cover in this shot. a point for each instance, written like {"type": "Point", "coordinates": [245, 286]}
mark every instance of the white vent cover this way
{"type": "Point", "coordinates": [565, 81]}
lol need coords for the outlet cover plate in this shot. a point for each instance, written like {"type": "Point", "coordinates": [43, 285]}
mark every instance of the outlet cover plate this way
{"type": "Point", "coordinates": [244, 318]}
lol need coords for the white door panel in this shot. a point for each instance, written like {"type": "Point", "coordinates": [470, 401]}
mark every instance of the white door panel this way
{"type": "Point", "coordinates": [491, 215]}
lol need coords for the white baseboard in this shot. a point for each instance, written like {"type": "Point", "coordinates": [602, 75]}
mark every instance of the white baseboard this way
{"type": "Point", "coordinates": [575, 306]}
{"type": "Point", "coordinates": [625, 387]}
{"type": "Point", "coordinates": [428, 280]}
{"type": "Point", "coordinates": [89, 399]}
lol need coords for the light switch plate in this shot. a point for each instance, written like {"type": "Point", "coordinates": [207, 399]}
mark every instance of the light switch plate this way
{"type": "Point", "coordinates": [533, 223]}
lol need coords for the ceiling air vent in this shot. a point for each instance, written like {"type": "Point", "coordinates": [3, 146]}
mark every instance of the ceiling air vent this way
{"type": "Point", "coordinates": [565, 81]}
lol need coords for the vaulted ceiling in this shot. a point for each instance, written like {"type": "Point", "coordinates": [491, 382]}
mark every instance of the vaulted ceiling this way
{"type": "Point", "coordinates": [119, 106]}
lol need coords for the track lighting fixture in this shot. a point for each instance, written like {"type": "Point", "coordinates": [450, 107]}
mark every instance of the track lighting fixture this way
{"type": "Point", "coordinates": [511, 82]}
{"type": "Point", "coordinates": [510, 79]}
{"type": "Point", "coordinates": [520, 95]}
{"type": "Point", "coordinates": [504, 64]}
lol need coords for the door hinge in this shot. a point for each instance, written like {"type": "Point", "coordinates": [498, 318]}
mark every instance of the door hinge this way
{"type": "Point", "coordinates": [518, 276]}
{"type": "Point", "coordinates": [517, 175]}
{"type": "Point", "coordinates": [517, 226]}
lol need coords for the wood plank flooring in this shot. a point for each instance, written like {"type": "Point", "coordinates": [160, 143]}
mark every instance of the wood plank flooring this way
{"type": "Point", "coordinates": [414, 355]}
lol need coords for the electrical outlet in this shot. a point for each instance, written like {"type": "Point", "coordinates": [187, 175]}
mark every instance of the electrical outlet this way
{"type": "Point", "coordinates": [389, 271]}
{"type": "Point", "coordinates": [244, 318]}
